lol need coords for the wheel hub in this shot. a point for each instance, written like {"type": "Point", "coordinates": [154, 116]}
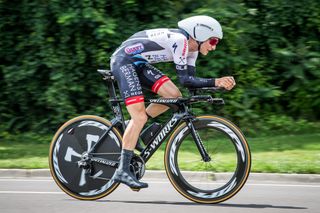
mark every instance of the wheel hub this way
{"type": "Point", "coordinates": [85, 161]}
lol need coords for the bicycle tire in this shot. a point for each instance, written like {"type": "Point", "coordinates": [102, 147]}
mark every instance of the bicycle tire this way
{"type": "Point", "coordinates": [208, 189]}
{"type": "Point", "coordinates": [71, 140]}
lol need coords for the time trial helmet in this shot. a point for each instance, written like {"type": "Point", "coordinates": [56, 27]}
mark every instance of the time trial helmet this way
{"type": "Point", "coordinates": [201, 27]}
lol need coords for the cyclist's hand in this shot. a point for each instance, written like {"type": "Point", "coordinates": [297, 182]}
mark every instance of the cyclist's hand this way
{"type": "Point", "coordinates": [227, 82]}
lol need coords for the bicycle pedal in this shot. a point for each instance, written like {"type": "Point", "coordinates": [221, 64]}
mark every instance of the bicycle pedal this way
{"type": "Point", "coordinates": [135, 189]}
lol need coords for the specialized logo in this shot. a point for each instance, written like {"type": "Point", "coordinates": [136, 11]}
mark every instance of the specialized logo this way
{"type": "Point", "coordinates": [104, 161]}
{"type": "Point", "coordinates": [134, 49]}
{"type": "Point", "coordinates": [164, 101]}
{"type": "Point", "coordinates": [174, 46]}
{"type": "Point", "coordinates": [150, 72]}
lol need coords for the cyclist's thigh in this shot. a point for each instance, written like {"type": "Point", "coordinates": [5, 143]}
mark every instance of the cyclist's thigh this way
{"type": "Point", "coordinates": [169, 90]}
{"type": "Point", "coordinates": [125, 72]}
{"type": "Point", "coordinates": [153, 79]}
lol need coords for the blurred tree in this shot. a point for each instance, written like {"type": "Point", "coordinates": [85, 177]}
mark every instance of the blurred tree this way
{"type": "Point", "coordinates": [49, 51]}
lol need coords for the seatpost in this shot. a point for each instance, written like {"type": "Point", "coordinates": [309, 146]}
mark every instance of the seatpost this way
{"type": "Point", "coordinates": [111, 89]}
{"type": "Point", "coordinates": [115, 102]}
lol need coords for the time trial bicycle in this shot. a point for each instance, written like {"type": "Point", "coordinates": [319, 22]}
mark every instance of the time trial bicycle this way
{"type": "Point", "coordinates": [85, 151]}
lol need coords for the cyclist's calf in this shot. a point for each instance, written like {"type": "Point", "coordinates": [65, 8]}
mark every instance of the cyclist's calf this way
{"type": "Point", "coordinates": [138, 119]}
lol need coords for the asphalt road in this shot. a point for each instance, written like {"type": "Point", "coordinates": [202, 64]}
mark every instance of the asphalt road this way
{"type": "Point", "coordinates": [39, 195]}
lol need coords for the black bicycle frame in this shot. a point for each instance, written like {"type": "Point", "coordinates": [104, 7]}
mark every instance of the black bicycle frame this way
{"type": "Point", "coordinates": [182, 114]}
{"type": "Point", "coordinates": [166, 130]}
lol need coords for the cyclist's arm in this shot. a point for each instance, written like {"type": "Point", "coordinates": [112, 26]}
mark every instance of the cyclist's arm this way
{"type": "Point", "coordinates": [185, 65]}
{"type": "Point", "coordinates": [187, 78]}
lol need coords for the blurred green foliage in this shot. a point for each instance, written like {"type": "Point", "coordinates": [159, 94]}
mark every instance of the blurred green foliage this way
{"type": "Point", "coordinates": [50, 50]}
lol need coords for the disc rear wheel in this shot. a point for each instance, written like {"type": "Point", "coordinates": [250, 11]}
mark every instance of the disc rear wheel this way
{"type": "Point", "coordinates": [71, 164]}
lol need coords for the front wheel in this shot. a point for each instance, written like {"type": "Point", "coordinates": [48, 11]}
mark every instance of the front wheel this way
{"type": "Point", "coordinates": [71, 162]}
{"type": "Point", "coordinates": [223, 175]}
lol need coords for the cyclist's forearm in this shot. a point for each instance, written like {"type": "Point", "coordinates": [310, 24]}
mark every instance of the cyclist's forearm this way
{"type": "Point", "coordinates": [186, 75]}
{"type": "Point", "coordinates": [196, 82]}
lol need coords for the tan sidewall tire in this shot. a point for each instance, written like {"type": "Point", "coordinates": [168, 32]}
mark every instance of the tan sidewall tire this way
{"type": "Point", "coordinates": [83, 117]}
{"type": "Point", "coordinates": [238, 132]}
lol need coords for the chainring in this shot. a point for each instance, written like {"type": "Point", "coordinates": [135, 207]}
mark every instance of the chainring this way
{"type": "Point", "coordinates": [137, 166]}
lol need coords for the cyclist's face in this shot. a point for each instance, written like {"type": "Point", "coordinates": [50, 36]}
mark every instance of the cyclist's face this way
{"type": "Point", "coordinates": [208, 45]}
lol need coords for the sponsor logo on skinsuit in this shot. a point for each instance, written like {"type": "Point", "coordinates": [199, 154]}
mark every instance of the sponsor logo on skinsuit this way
{"type": "Point", "coordinates": [157, 57]}
{"type": "Point", "coordinates": [174, 46]}
{"type": "Point", "coordinates": [134, 49]}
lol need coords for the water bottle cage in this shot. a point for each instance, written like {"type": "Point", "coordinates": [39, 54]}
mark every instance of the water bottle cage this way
{"type": "Point", "coordinates": [149, 133]}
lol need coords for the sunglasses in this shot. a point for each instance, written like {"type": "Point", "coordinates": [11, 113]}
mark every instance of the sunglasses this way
{"type": "Point", "coordinates": [213, 41]}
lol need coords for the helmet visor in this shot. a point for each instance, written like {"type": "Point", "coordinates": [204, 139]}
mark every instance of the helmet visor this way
{"type": "Point", "coordinates": [213, 41]}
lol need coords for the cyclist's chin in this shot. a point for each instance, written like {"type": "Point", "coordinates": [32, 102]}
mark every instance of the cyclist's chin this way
{"type": "Point", "coordinates": [204, 52]}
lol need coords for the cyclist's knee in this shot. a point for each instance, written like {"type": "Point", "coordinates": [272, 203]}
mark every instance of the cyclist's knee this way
{"type": "Point", "coordinates": [138, 113]}
{"type": "Point", "coordinates": [140, 118]}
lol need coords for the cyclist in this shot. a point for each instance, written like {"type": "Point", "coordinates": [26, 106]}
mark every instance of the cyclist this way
{"type": "Point", "coordinates": [131, 66]}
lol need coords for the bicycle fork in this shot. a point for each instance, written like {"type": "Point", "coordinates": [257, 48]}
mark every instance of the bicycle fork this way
{"type": "Point", "coordinates": [198, 141]}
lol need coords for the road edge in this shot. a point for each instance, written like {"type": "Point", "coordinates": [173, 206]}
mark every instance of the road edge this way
{"type": "Point", "coordinates": [161, 175]}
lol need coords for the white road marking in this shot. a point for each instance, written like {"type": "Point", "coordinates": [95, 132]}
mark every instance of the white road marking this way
{"type": "Point", "coordinates": [24, 180]}
{"type": "Point", "coordinates": [29, 192]}
{"type": "Point", "coordinates": [247, 184]}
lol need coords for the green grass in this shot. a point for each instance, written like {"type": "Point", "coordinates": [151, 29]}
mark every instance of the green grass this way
{"type": "Point", "coordinates": [23, 155]}
{"type": "Point", "coordinates": [282, 154]}
{"type": "Point", "coordinates": [279, 154]}
{"type": "Point", "coordinates": [289, 153]}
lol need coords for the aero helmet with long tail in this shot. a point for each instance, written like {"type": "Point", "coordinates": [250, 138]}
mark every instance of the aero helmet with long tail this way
{"type": "Point", "coordinates": [201, 28]}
